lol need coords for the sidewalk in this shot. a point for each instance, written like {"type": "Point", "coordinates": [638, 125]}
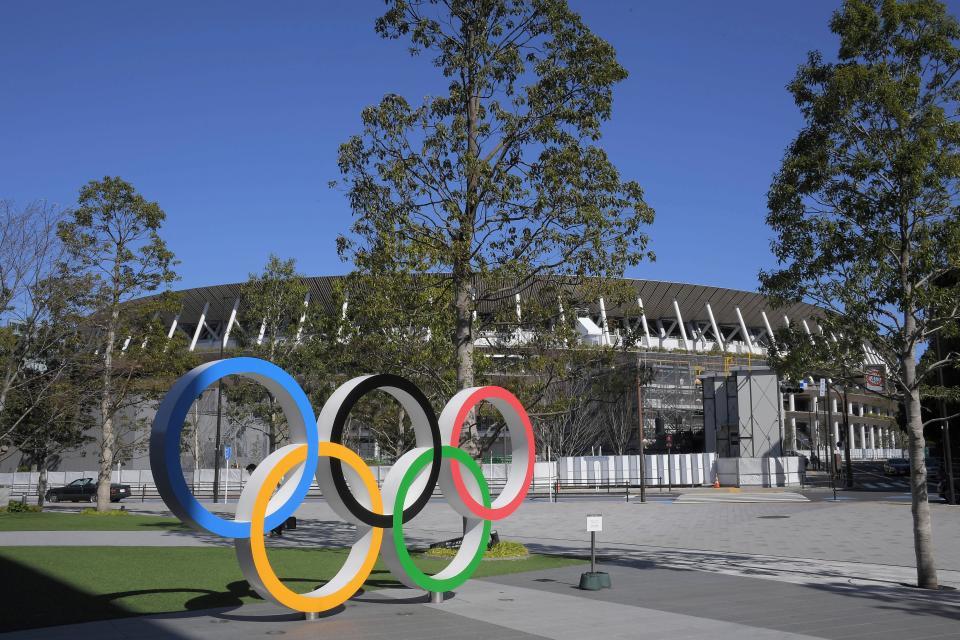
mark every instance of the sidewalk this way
{"type": "Point", "coordinates": [791, 570]}
{"type": "Point", "coordinates": [646, 602]}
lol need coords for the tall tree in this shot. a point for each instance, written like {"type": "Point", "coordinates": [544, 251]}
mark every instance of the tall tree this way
{"type": "Point", "coordinates": [864, 206]}
{"type": "Point", "coordinates": [501, 176]}
{"type": "Point", "coordinates": [31, 291]}
{"type": "Point", "coordinates": [113, 236]}
{"type": "Point", "coordinates": [277, 322]}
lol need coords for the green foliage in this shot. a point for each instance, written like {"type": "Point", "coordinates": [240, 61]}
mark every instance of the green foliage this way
{"type": "Point", "coordinates": [278, 321]}
{"type": "Point", "coordinates": [498, 184]}
{"type": "Point", "coordinates": [505, 550]}
{"type": "Point", "coordinates": [113, 240]}
{"type": "Point", "coordinates": [865, 206]}
{"type": "Point", "coordinates": [15, 506]}
{"type": "Point", "coordinates": [112, 513]}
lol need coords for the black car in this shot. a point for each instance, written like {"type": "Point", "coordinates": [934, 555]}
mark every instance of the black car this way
{"type": "Point", "coordinates": [85, 490]}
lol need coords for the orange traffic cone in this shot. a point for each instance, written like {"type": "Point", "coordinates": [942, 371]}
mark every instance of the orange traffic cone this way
{"type": "Point", "coordinates": [716, 483]}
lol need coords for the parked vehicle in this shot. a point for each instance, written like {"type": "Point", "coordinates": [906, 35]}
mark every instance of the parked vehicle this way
{"type": "Point", "coordinates": [897, 467]}
{"type": "Point", "coordinates": [85, 490]}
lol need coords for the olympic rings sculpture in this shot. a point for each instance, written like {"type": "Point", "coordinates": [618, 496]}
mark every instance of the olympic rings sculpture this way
{"type": "Point", "coordinates": [280, 482]}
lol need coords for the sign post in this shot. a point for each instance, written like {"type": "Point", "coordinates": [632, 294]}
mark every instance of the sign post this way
{"type": "Point", "coordinates": [227, 451]}
{"type": "Point", "coordinates": [594, 524]}
{"type": "Point", "coordinates": [594, 580]}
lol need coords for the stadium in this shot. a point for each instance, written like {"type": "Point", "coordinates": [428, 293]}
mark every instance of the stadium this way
{"type": "Point", "coordinates": [683, 332]}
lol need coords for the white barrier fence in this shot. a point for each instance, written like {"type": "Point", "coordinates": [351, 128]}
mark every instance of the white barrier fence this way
{"type": "Point", "coordinates": [868, 454]}
{"type": "Point", "coordinates": [232, 481]}
{"type": "Point", "coordinates": [683, 469]}
{"type": "Point", "coordinates": [588, 472]}
{"type": "Point", "coordinates": [759, 472]}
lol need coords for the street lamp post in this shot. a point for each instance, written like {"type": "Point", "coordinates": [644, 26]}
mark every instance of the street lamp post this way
{"type": "Point", "coordinates": [643, 475]}
{"type": "Point", "coordinates": [217, 443]}
{"type": "Point", "coordinates": [829, 438]}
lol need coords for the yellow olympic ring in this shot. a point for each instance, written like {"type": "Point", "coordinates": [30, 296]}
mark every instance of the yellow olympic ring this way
{"type": "Point", "coordinates": [252, 552]}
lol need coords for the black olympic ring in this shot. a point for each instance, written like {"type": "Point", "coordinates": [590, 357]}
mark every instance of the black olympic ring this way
{"type": "Point", "coordinates": [385, 381]}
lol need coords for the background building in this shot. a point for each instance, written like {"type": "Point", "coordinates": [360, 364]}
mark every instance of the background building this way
{"type": "Point", "coordinates": [682, 332]}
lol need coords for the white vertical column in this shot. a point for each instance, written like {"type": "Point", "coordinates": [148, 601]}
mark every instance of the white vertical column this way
{"type": "Point", "coordinates": [643, 321]}
{"type": "Point", "coordinates": [605, 329]}
{"type": "Point", "coordinates": [743, 328]}
{"type": "Point", "coordinates": [683, 331]}
{"type": "Point", "coordinates": [303, 317]}
{"type": "Point", "coordinates": [863, 436]}
{"type": "Point", "coordinates": [262, 332]}
{"type": "Point", "coordinates": [873, 441]}
{"type": "Point", "coordinates": [716, 331]}
{"type": "Point", "coordinates": [815, 432]}
{"type": "Point", "coordinates": [196, 333]}
{"type": "Point", "coordinates": [173, 326]}
{"type": "Point", "coordinates": [230, 321]}
{"type": "Point", "coordinates": [850, 438]}
{"type": "Point", "coordinates": [766, 323]}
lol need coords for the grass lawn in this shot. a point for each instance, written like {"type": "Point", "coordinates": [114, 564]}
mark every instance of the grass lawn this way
{"type": "Point", "coordinates": [45, 586]}
{"type": "Point", "coordinates": [59, 521]}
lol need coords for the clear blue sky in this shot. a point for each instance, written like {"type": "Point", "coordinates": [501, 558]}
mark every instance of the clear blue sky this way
{"type": "Point", "coordinates": [229, 115]}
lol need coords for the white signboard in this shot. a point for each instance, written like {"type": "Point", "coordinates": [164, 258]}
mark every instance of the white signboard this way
{"type": "Point", "coordinates": [823, 387]}
{"type": "Point", "coordinates": [594, 522]}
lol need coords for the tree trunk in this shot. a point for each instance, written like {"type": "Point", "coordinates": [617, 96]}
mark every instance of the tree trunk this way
{"type": "Point", "coordinates": [107, 436]}
{"type": "Point", "coordinates": [272, 434]}
{"type": "Point", "coordinates": [462, 249]}
{"type": "Point", "coordinates": [42, 479]}
{"type": "Point", "coordinates": [920, 507]}
{"type": "Point", "coordinates": [8, 377]}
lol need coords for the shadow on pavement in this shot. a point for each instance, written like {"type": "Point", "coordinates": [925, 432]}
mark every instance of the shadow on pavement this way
{"type": "Point", "coordinates": [864, 593]}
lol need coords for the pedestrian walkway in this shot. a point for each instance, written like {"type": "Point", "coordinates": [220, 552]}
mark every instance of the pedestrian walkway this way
{"type": "Point", "coordinates": [702, 497]}
{"type": "Point", "coordinates": [647, 601]}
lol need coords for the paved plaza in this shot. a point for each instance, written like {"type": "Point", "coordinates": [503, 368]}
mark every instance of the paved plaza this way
{"type": "Point", "coordinates": [816, 569]}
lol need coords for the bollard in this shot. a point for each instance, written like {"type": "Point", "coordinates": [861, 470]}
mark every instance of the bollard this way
{"type": "Point", "coordinates": [311, 615]}
{"type": "Point", "coordinates": [436, 597]}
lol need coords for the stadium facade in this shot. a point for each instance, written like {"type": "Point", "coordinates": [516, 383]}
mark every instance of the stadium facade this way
{"type": "Point", "coordinates": [685, 331]}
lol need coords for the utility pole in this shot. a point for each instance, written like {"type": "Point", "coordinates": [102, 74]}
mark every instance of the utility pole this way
{"type": "Point", "coordinates": [217, 444]}
{"type": "Point", "coordinates": [829, 438]}
{"type": "Point", "coordinates": [846, 439]}
{"type": "Point", "coordinates": [643, 478]}
{"type": "Point", "coordinates": [947, 453]}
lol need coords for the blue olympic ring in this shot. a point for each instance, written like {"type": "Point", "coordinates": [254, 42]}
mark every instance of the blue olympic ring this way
{"type": "Point", "coordinates": [168, 425]}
